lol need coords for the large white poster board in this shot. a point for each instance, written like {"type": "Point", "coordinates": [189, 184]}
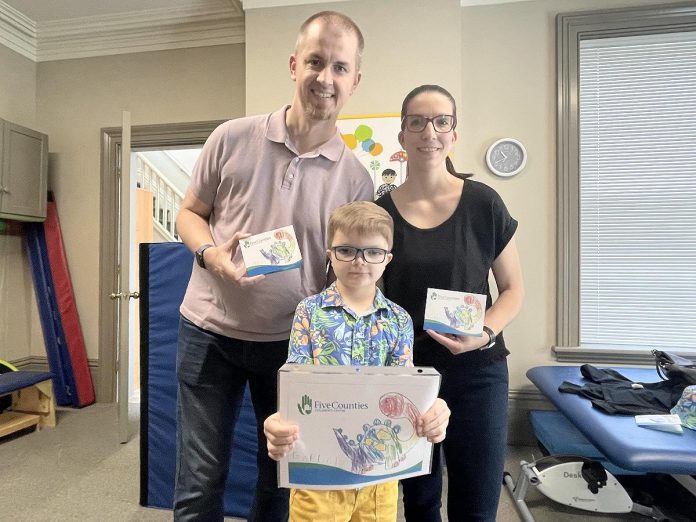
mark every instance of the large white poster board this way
{"type": "Point", "coordinates": [374, 140]}
{"type": "Point", "coordinates": [357, 424]}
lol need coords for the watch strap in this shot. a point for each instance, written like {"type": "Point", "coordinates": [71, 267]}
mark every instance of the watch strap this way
{"type": "Point", "coordinates": [199, 254]}
{"type": "Point", "coordinates": [491, 335]}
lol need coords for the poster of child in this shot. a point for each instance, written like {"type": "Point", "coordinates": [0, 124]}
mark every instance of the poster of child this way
{"type": "Point", "coordinates": [388, 177]}
{"type": "Point", "coordinates": [374, 140]}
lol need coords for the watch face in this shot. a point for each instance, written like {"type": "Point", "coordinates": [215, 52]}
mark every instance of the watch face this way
{"type": "Point", "coordinates": [506, 157]}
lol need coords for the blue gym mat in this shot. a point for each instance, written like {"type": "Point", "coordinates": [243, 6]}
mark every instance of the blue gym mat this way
{"type": "Point", "coordinates": [165, 269]}
{"type": "Point", "coordinates": [54, 337]}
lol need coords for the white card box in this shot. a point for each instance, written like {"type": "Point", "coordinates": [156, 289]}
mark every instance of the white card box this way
{"type": "Point", "coordinates": [272, 251]}
{"type": "Point", "coordinates": [458, 313]}
{"type": "Point", "coordinates": [356, 424]}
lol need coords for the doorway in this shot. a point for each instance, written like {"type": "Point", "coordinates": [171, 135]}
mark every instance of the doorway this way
{"type": "Point", "coordinates": [159, 180]}
{"type": "Point", "coordinates": [143, 137]}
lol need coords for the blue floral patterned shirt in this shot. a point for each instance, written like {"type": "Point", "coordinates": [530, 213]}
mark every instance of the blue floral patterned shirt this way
{"type": "Point", "coordinates": [326, 331]}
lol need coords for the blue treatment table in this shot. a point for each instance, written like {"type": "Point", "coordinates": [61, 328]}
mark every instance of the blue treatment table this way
{"type": "Point", "coordinates": [617, 436]}
{"type": "Point", "coordinates": [590, 432]}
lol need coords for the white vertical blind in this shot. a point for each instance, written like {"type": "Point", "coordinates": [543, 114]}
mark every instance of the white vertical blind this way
{"type": "Point", "coordinates": [637, 115]}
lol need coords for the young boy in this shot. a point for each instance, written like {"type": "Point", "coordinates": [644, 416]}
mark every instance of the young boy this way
{"type": "Point", "coordinates": [373, 332]}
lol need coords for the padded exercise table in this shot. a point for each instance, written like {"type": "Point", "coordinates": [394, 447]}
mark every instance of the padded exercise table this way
{"type": "Point", "coordinates": [617, 436]}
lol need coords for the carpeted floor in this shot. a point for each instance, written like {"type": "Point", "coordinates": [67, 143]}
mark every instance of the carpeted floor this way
{"type": "Point", "coordinates": [78, 471]}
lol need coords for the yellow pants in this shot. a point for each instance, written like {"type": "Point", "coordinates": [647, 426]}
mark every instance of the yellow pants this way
{"type": "Point", "coordinates": [368, 504]}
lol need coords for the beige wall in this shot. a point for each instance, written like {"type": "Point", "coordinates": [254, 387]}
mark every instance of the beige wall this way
{"type": "Point", "coordinates": [74, 100]}
{"type": "Point", "coordinates": [498, 61]}
{"type": "Point", "coordinates": [407, 43]}
{"type": "Point", "coordinates": [17, 88]}
{"type": "Point", "coordinates": [509, 89]}
{"type": "Point", "coordinates": [20, 333]}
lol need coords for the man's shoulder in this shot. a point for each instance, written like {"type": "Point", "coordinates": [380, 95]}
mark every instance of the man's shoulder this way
{"type": "Point", "coordinates": [244, 123]}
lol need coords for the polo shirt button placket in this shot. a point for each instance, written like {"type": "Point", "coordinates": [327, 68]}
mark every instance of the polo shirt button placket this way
{"type": "Point", "coordinates": [291, 173]}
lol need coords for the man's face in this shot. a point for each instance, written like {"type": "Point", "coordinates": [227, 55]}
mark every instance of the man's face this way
{"type": "Point", "coordinates": [325, 70]}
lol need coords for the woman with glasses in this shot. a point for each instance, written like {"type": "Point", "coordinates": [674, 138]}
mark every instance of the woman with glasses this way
{"type": "Point", "coordinates": [449, 233]}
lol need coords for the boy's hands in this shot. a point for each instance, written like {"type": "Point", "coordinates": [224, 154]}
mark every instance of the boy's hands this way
{"type": "Point", "coordinates": [433, 423]}
{"type": "Point", "coordinates": [218, 259]}
{"type": "Point", "coordinates": [280, 436]}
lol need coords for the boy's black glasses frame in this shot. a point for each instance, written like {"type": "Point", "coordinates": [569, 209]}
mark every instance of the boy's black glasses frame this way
{"type": "Point", "coordinates": [372, 255]}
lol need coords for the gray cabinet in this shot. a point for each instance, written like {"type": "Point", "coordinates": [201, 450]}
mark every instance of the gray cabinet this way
{"type": "Point", "coordinates": [23, 173]}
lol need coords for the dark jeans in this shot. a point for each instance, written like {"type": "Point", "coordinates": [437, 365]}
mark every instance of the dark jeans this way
{"type": "Point", "coordinates": [474, 449]}
{"type": "Point", "coordinates": [212, 371]}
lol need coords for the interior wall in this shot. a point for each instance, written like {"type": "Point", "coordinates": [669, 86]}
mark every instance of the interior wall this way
{"type": "Point", "coordinates": [77, 98]}
{"type": "Point", "coordinates": [407, 43]}
{"type": "Point", "coordinates": [18, 337]}
{"type": "Point", "coordinates": [509, 90]}
{"type": "Point", "coordinates": [17, 88]}
{"type": "Point", "coordinates": [497, 60]}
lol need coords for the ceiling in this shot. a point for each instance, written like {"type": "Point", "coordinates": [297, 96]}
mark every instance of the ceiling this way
{"type": "Point", "coordinates": [54, 10]}
{"type": "Point", "coordinates": [45, 30]}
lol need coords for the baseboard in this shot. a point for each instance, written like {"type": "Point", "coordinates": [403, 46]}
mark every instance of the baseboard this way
{"type": "Point", "coordinates": [521, 401]}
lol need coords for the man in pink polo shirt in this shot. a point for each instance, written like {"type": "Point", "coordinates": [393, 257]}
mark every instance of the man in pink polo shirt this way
{"type": "Point", "coordinates": [255, 174]}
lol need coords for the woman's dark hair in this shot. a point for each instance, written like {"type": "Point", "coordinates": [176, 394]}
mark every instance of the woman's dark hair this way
{"type": "Point", "coordinates": [441, 90]}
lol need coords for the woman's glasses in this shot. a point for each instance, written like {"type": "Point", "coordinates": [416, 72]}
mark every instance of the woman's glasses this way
{"type": "Point", "coordinates": [369, 255]}
{"type": "Point", "coordinates": [417, 123]}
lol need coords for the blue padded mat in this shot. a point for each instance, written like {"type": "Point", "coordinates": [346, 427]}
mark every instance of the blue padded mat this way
{"type": "Point", "coordinates": [558, 435]}
{"type": "Point", "coordinates": [49, 314]}
{"type": "Point", "coordinates": [617, 436]}
{"type": "Point", "coordinates": [13, 381]}
{"type": "Point", "coordinates": [165, 269]}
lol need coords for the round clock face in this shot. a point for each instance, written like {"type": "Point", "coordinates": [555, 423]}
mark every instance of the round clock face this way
{"type": "Point", "coordinates": [506, 157]}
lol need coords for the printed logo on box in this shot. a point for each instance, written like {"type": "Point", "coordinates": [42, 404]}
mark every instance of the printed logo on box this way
{"type": "Point", "coordinates": [272, 251]}
{"type": "Point", "coordinates": [458, 313]}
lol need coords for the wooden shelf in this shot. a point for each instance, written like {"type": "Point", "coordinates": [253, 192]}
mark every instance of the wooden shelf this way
{"type": "Point", "coordinates": [12, 421]}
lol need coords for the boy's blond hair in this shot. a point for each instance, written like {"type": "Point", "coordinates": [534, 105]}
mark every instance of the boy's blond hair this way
{"type": "Point", "coordinates": [361, 217]}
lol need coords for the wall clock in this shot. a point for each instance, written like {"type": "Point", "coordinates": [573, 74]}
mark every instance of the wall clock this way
{"type": "Point", "coordinates": [506, 157]}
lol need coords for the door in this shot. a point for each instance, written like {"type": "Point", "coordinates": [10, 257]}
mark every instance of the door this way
{"type": "Point", "coordinates": [123, 293]}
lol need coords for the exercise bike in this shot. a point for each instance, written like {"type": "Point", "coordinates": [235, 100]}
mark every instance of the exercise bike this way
{"type": "Point", "coordinates": [577, 482]}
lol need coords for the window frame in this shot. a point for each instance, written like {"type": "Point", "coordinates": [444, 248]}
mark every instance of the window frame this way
{"type": "Point", "coordinates": [571, 29]}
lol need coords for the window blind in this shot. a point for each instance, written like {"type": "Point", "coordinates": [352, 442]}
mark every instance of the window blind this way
{"type": "Point", "coordinates": [637, 115]}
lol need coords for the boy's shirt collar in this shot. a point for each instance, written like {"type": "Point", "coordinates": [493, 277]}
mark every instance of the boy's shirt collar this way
{"type": "Point", "coordinates": [331, 298]}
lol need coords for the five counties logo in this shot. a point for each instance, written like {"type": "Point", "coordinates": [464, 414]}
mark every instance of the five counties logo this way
{"type": "Point", "coordinates": [307, 405]}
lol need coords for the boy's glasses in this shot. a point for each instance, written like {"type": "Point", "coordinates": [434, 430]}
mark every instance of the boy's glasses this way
{"type": "Point", "coordinates": [417, 123]}
{"type": "Point", "coordinates": [369, 255]}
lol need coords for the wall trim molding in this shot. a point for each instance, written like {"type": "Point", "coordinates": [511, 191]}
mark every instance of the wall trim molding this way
{"type": "Point", "coordinates": [123, 33]}
{"type": "Point", "coordinates": [17, 31]}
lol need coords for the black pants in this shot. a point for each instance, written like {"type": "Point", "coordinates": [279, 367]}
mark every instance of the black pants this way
{"type": "Point", "coordinates": [212, 372]}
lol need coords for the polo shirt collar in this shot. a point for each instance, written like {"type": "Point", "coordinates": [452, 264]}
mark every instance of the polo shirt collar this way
{"type": "Point", "coordinates": [277, 131]}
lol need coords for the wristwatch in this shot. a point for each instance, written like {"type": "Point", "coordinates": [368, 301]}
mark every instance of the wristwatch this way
{"type": "Point", "coordinates": [491, 341]}
{"type": "Point", "coordinates": [199, 254]}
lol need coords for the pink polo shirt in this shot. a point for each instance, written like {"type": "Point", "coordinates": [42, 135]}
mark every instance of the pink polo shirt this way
{"type": "Point", "coordinates": [251, 175]}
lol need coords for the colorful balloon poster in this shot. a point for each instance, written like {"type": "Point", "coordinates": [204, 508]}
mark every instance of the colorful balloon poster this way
{"type": "Point", "coordinates": [374, 140]}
